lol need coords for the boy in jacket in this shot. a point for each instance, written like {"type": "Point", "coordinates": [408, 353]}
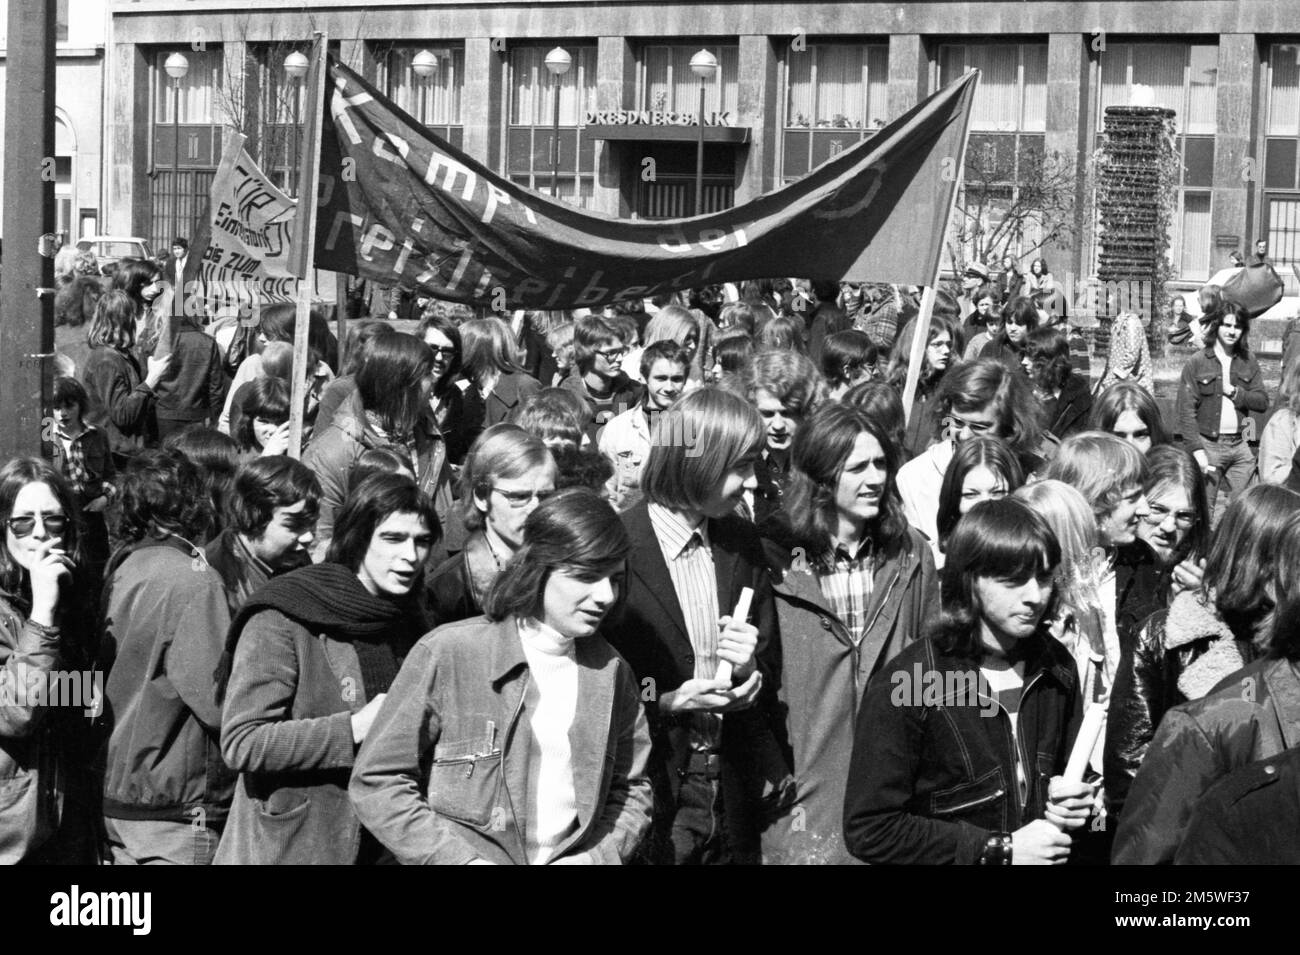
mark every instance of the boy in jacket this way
{"type": "Point", "coordinates": [962, 739]}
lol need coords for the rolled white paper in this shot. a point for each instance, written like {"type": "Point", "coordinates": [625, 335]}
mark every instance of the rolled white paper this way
{"type": "Point", "coordinates": [740, 613]}
{"type": "Point", "coordinates": [1094, 719]}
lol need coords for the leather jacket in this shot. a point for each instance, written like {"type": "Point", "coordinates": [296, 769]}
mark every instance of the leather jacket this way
{"type": "Point", "coordinates": [1180, 655]}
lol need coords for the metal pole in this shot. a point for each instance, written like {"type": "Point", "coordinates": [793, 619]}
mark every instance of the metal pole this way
{"type": "Point", "coordinates": [27, 305]}
{"type": "Point", "coordinates": [297, 134]}
{"type": "Point", "coordinates": [555, 145]}
{"type": "Point", "coordinates": [176, 157]}
{"type": "Point", "coordinates": [699, 160]}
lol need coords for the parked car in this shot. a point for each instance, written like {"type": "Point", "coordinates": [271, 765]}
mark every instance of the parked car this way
{"type": "Point", "coordinates": [111, 249]}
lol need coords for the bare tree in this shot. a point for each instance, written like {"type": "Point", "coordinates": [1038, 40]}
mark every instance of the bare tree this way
{"type": "Point", "coordinates": [1012, 202]}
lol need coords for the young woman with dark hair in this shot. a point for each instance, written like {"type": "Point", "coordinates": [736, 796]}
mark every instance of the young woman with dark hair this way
{"type": "Point", "coordinates": [337, 391]}
{"type": "Point", "coordinates": [497, 382]}
{"type": "Point", "coordinates": [286, 728]}
{"type": "Point", "coordinates": [121, 399]}
{"type": "Point", "coordinates": [847, 358]}
{"type": "Point", "coordinates": [983, 398]}
{"type": "Point", "coordinates": [217, 457]}
{"type": "Point", "coordinates": [263, 427]}
{"type": "Point", "coordinates": [507, 474]}
{"type": "Point", "coordinates": [982, 469]}
{"type": "Point", "coordinates": [1128, 411]}
{"type": "Point", "coordinates": [1019, 318]}
{"type": "Point", "coordinates": [143, 281]}
{"type": "Point", "coordinates": [1205, 635]}
{"type": "Point", "coordinates": [691, 558]}
{"type": "Point", "coordinates": [785, 388]}
{"type": "Point", "coordinates": [1250, 715]}
{"type": "Point", "coordinates": [165, 617]}
{"type": "Point", "coordinates": [389, 409]}
{"type": "Point", "coordinates": [1065, 396]}
{"type": "Point", "coordinates": [962, 739]}
{"type": "Point", "coordinates": [1218, 389]}
{"type": "Point", "coordinates": [731, 353]}
{"type": "Point", "coordinates": [518, 738]}
{"type": "Point", "coordinates": [271, 522]}
{"type": "Point", "coordinates": [853, 584]}
{"type": "Point", "coordinates": [44, 750]}
{"type": "Point", "coordinates": [942, 351]}
{"type": "Point", "coordinates": [447, 401]}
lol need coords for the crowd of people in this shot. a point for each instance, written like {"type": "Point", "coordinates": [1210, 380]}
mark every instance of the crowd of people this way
{"type": "Point", "coordinates": [679, 581]}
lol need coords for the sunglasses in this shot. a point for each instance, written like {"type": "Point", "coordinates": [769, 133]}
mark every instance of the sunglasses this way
{"type": "Point", "coordinates": [446, 351]}
{"type": "Point", "coordinates": [23, 526]}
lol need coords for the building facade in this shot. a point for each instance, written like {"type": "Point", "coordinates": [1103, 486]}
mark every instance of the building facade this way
{"type": "Point", "coordinates": [796, 83]}
{"type": "Point", "coordinates": [78, 116]}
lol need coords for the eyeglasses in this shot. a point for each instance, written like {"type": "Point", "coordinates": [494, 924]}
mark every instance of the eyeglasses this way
{"type": "Point", "coordinates": [956, 423]}
{"type": "Point", "coordinates": [1158, 514]}
{"type": "Point", "coordinates": [443, 351]}
{"type": "Point", "coordinates": [523, 498]}
{"type": "Point", "coordinates": [613, 354]}
{"type": "Point", "coordinates": [23, 526]}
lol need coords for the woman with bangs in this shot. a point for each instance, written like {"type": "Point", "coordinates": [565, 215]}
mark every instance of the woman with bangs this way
{"type": "Point", "coordinates": [1128, 411]}
{"type": "Point", "coordinates": [263, 427]}
{"type": "Point", "coordinates": [507, 474]}
{"type": "Point", "coordinates": [1205, 635]}
{"type": "Point", "coordinates": [942, 350]}
{"type": "Point", "coordinates": [982, 469]}
{"type": "Point", "coordinates": [1019, 320]}
{"type": "Point", "coordinates": [518, 737]}
{"type": "Point", "coordinates": [853, 585]}
{"type": "Point", "coordinates": [691, 557]}
{"type": "Point", "coordinates": [962, 738]}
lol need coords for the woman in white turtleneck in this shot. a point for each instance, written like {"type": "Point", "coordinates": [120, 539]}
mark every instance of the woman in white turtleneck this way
{"type": "Point", "coordinates": [518, 737]}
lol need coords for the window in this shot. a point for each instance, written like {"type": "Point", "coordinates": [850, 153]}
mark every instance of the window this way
{"type": "Point", "coordinates": [1281, 175]}
{"type": "Point", "coordinates": [198, 88]}
{"type": "Point", "coordinates": [836, 95]}
{"type": "Point", "coordinates": [1181, 77]}
{"type": "Point", "coordinates": [667, 82]}
{"type": "Point", "coordinates": [530, 158]}
{"type": "Point", "coordinates": [433, 100]}
{"type": "Point", "coordinates": [1012, 92]}
{"type": "Point", "coordinates": [1008, 184]}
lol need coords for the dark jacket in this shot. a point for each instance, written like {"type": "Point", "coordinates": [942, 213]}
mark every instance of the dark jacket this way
{"type": "Point", "coordinates": [929, 783]}
{"type": "Point", "coordinates": [75, 301]}
{"type": "Point", "coordinates": [1068, 414]}
{"type": "Point", "coordinates": [1252, 715]}
{"type": "Point", "coordinates": [1181, 654]}
{"type": "Point", "coordinates": [287, 730]}
{"type": "Point", "coordinates": [1200, 395]}
{"type": "Point", "coordinates": [194, 388]}
{"type": "Point", "coordinates": [773, 480]}
{"type": "Point", "coordinates": [1005, 352]}
{"type": "Point", "coordinates": [820, 683]}
{"type": "Point", "coordinates": [826, 319]}
{"type": "Point", "coordinates": [334, 450]}
{"type": "Point", "coordinates": [624, 394]}
{"type": "Point", "coordinates": [120, 402]}
{"type": "Point", "coordinates": [649, 630]}
{"type": "Point", "coordinates": [241, 573]}
{"type": "Point", "coordinates": [1248, 817]}
{"type": "Point", "coordinates": [443, 775]}
{"type": "Point", "coordinates": [456, 588]}
{"type": "Point", "coordinates": [1140, 590]}
{"type": "Point", "coordinates": [165, 619]}
{"type": "Point", "coordinates": [481, 413]}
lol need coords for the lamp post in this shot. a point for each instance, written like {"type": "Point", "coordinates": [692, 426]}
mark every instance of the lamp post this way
{"type": "Point", "coordinates": [704, 65]}
{"type": "Point", "coordinates": [425, 64]}
{"type": "Point", "coordinates": [558, 62]}
{"type": "Point", "coordinates": [176, 66]}
{"type": "Point", "coordinates": [295, 67]}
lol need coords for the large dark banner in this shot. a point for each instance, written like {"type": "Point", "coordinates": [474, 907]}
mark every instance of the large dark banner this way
{"type": "Point", "coordinates": [400, 206]}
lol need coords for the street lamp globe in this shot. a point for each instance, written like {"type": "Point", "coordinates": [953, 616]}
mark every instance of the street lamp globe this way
{"type": "Point", "coordinates": [295, 64]}
{"type": "Point", "coordinates": [177, 66]}
{"type": "Point", "coordinates": [704, 65]}
{"type": "Point", "coordinates": [558, 61]}
{"type": "Point", "coordinates": [425, 64]}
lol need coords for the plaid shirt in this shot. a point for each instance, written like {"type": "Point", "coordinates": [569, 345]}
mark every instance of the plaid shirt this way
{"type": "Point", "coordinates": [89, 476]}
{"type": "Point", "coordinates": [847, 581]}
